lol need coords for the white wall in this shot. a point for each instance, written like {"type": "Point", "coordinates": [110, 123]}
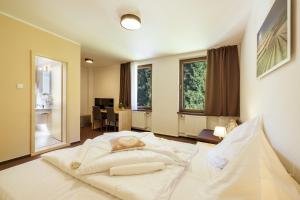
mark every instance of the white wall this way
{"type": "Point", "coordinates": [277, 95]}
{"type": "Point", "coordinates": [165, 91]}
{"type": "Point", "coordinates": [107, 83]}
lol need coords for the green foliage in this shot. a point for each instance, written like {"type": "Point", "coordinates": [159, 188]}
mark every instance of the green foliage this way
{"type": "Point", "coordinates": [144, 90]}
{"type": "Point", "coordinates": [194, 76]}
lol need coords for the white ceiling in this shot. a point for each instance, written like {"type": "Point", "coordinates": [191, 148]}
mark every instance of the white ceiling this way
{"type": "Point", "coordinates": [168, 26]}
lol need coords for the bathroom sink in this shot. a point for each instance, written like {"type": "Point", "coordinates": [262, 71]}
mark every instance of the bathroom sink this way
{"type": "Point", "coordinates": [43, 109]}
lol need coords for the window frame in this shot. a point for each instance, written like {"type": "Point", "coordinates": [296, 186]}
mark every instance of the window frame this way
{"type": "Point", "coordinates": [181, 96]}
{"type": "Point", "coordinates": [144, 108]}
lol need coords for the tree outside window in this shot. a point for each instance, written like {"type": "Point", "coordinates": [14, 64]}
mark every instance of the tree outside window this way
{"type": "Point", "coordinates": [144, 87]}
{"type": "Point", "coordinates": [192, 85]}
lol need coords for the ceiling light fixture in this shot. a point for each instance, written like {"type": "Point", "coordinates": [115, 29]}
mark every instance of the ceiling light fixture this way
{"type": "Point", "coordinates": [88, 60]}
{"type": "Point", "coordinates": [130, 22]}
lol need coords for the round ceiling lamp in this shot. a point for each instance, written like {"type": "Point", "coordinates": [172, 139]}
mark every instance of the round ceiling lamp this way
{"type": "Point", "coordinates": [130, 22]}
{"type": "Point", "coordinates": [89, 60]}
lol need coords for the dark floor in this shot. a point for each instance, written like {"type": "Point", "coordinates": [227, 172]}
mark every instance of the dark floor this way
{"type": "Point", "coordinates": [85, 133]}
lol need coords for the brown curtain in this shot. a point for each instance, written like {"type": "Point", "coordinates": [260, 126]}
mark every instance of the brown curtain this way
{"type": "Point", "coordinates": [223, 82]}
{"type": "Point", "coordinates": [125, 86]}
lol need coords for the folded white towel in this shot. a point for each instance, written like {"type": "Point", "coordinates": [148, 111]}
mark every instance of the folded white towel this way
{"type": "Point", "coordinates": [135, 169]}
{"type": "Point", "coordinates": [75, 164]}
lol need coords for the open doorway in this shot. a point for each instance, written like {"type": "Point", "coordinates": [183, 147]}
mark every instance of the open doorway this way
{"type": "Point", "coordinates": [49, 104]}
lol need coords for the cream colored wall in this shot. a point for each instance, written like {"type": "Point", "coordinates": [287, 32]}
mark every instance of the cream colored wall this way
{"type": "Point", "coordinates": [87, 90]}
{"type": "Point", "coordinates": [91, 97]}
{"type": "Point", "coordinates": [277, 95]}
{"type": "Point", "coordinates": [84, 98]}
{"type": "Point", "coordinates": [17, 39]}
{"type": "Point", "coordinates": [107, 82]}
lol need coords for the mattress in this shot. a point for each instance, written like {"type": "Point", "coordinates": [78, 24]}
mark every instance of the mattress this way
{"type": "Point", "coordinates": [38, 180]}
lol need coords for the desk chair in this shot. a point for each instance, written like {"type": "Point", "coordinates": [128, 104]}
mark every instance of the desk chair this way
{"type": "Point", "coordinates": [112, 118]}
{"type": "Point", "coordinates": [98, 116]}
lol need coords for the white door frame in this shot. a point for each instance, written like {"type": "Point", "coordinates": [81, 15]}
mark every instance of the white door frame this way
{"type": "Point", "coordinates": [65, 132]}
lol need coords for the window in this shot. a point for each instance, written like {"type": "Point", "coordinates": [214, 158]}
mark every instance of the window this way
{"type": "Point", "coordinates": [144, 90]}
{"type": "Point", "coordinates": [192, 85]}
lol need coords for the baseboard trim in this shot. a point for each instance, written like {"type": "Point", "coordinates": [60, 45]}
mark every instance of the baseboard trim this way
{"type": "Point", "coordinates": [14, 159]}
{"type": "Point", "coordinates": [138, 129]}
{"type": "Point", "coordinates": [75, 143]}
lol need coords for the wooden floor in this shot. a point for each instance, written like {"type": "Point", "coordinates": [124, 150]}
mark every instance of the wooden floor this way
{"type": "Point", "coordinates": [85, 133]}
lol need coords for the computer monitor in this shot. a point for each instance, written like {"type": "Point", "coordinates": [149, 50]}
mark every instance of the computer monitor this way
{"type": "Point", "coordinates": [104, 102]}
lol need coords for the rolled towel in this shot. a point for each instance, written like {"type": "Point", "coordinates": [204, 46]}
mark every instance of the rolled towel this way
{"type": "Point", "coordinates": [135, 169]}
{"type": "Point", "coordinates": [75, 164]}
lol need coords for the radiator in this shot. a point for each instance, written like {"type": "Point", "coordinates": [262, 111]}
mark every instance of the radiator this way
{"type": "Point", "coordinates": [191, 125]}
{"type": "Point", "coordinates": [139, 120]}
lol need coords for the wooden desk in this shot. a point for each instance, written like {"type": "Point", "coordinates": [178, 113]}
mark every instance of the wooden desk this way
{"type": "Point", "coordinates": [124, 122]}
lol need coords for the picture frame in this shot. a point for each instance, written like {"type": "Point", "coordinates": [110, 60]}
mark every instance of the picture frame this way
{"type": "Point", "coordinates": [274, 39]}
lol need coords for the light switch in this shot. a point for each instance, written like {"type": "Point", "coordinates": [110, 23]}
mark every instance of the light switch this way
{"type": "Point", "coordinates": [20, 86]}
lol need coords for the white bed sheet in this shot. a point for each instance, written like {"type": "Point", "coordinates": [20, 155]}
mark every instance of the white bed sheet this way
{"type": "Point", "coordinates": [38, 180]}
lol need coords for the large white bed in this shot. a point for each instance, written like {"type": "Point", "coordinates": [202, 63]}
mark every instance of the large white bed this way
{"type": "Point", "coordinates": [39, 179]}
{"type": "Point", "coordinates": [240, 179]}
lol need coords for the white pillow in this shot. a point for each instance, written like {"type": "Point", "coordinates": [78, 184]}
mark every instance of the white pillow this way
{"type": "Point", "coordinates": [122, 158]}
{"type": "Point", "coordinates": [231, 145]}
{"type": "Point", "coordinates": [136, 169]}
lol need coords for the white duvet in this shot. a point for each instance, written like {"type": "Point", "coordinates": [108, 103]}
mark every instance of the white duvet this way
{"type": "Point", "coordinates": [98, 163]}
{"type": "Point", "coordinates": [39, 179]}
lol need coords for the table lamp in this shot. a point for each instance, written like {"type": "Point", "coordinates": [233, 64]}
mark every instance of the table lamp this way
{"type": "Point", "coordinates": [220, 131]}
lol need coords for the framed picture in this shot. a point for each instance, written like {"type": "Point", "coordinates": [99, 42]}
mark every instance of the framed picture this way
{"type": "Point", "coordinates": [274, 39]}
